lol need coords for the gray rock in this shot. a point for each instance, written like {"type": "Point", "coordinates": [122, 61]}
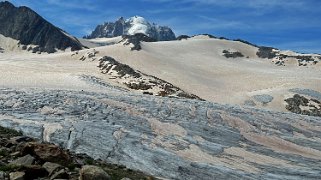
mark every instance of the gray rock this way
{"type": "Point", "coordinates": [51, 167]}
{"type": "Point", "coordinates": [17, 176]}
{"type": "Point", "coordinates": [307, 92]}
{"type": "Point", "coordinates": [62, 174]}
{"type": "Point", "coordinates": [174, 138]}
{"type": "Point", "coordinates": [249, 103]}
{"type": "Point", "coordinates": [3, 175]}
{"type": "Point", "coordinates": [263, 98]}
{"type": "Point", "coordinates": [93, 173]}
{"type": "Point", "coordinates": [266, 52]}
{"type": "Point", "coordinates": [24, 161]}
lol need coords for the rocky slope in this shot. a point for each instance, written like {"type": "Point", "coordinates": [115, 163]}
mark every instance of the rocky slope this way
{"type": "Point", "coordinates": [25, 25]}
{"type": "Point", "coordinates": [132, 26]}
{"type": "Point", "coordinates": [169, 138]}
{"type": "Point", "coordinates": [22, 157]}
{"type": "Point", "coordinates": [128, 78]}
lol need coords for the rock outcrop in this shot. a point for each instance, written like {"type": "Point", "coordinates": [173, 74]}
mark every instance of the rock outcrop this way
{"type": "Point", "coordinates": [170, 138]}
{"type": "Point", "coordinates": [228, 54]}
{"type": "Point", "coordinates": [25, 25]}
{"type": "Point", "coordinates": [18, 164]}
{"type": "Point", "coordinates": [135, 40]}
{"type": "Point", "coordinates": [281, 57]}
{"type": "Point", "coordinates": [132, 26]}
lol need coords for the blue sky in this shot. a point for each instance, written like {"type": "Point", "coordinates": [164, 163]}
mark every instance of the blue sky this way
{"type": "Point", "coordinates": [285, 24]}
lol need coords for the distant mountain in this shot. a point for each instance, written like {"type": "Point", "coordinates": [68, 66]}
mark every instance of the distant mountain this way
{"type": "Point", "coordinates": [25, 25]}
{"type": "Point", "coordinates": [132, 26]}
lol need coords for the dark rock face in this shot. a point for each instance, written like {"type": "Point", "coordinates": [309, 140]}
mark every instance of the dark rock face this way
{"type": "Point", "coordinates": [279, 58]}
{"type": "Point", "coordinates": [121, 27]}
{"type": "Point", "coordinates": [246, 42]}
{"type": "Point", "coordinates": [163, 33]}
{"type": "Point", "coordinates": [302, 105]}
{"type": "Point", "coordinates": [266, 52]}
{"type": "Point", "coordinates": [181, 37]}
{"type": "Point", "coordinates": [228, 54]}
{"type": "Point", "coordinates": [122, 69]}
{"type": "Point", "coordinates": [136, 39]}
{"type": "Point", "coordinates": [108, 30]}
{"type": "Point", "coordinates": [22, 23]}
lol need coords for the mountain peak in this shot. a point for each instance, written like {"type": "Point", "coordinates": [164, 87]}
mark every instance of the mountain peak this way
{"type": "Point", "coordinates": [29, 28]}
{"type": "Point", "coordinates": [131, 26]}
{"type": "Point", "coordinates": [121, 18]}
{"type": "Point", "coordinates": [7, 5]}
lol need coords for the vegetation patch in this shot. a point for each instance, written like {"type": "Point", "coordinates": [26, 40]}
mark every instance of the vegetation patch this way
{"type": "Point", "coordinates": [8, 133]}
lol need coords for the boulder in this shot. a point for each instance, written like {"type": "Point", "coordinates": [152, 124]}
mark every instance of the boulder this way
{"type": "Point", "coordinates": [62, 174]}
{"type": "Point", "coordinates": [34, 171]}
{"type": "Point", "coordinates": [3, 175]}
{"type": "Point", "coordinates": [89, 172]}
{"type": "Point", "coordinates": [24, 161]}
{"type": "Point", "coordinates": [46, 152]}
{"type": "Point", "coordinates": [17, 176]}
{"type": "Point", "coordinates": [52, 167]}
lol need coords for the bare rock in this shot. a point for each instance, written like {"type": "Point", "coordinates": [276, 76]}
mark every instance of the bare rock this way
{"type": "Point", "coordinates": [52, 167]}
{"type": "Point", "coordinates": [24, 161]}
{"type": "Point", "coordinates": [3, 175]}
{"type": "Point", "coordinates": [17, 176]}
{"type": "Point", "coordinates": [93, 173]}
{"type": "Point", "coordinates": [34, 172]}
{"type": "Point", "coordinates": [62, 174]}
{"type": "Point", "coordinates": [46, 152]}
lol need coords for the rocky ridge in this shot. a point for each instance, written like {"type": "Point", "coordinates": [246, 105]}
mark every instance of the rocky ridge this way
{"type": "Point", "coordinates": [32, 31]}
{"type": "Point", "coordinates": [280, 58]}
{"type": "Point", "coordinates": [276, 56]}
{"type": "Point", "coordinates": [135, 40]}
{"type": "Point", "coordinates": [130, 78]}
{"type": "Point", "coordinates": [132, 26]}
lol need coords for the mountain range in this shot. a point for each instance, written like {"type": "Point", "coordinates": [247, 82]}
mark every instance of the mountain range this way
{"type": "Point", "coordinates": [133, 95]}
{"type": "Point", "coordinates": [132, 26]}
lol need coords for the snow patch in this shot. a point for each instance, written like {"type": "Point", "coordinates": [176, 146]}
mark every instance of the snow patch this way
{"type": "Point", "coordinates": [138, 25]}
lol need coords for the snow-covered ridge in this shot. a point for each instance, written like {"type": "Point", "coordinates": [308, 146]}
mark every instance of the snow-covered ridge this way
{"type": "Point", "coordinates": [132, 26]}
{"type": "Point", "coordinates": [138, 25]}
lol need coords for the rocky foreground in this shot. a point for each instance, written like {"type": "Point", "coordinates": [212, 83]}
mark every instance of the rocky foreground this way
{"type": "Point", "coordinates": [169, 137]}
{"type": "Point", "coordinates": [22, 157]}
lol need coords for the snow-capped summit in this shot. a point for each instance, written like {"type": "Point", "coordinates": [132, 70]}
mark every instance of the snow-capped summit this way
{"type": "Point", "coordinates": [138, 25]}
{"type": "Point", "coordinates": [132, 26]}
